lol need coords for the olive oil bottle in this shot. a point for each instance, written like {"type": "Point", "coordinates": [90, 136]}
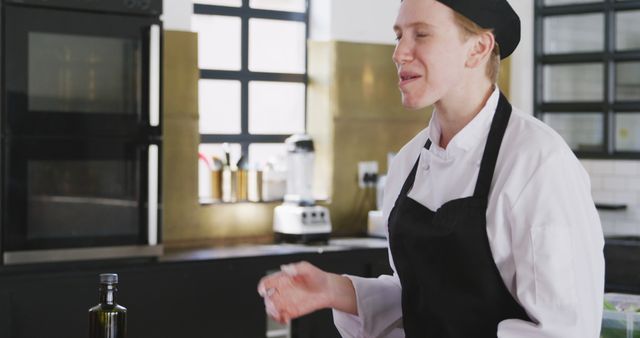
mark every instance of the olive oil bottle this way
{"type": "Point", "coordinates": [108, 319]}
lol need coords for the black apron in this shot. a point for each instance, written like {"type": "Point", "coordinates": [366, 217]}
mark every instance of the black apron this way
{"type": "Point", "coordinates": [451, 287]}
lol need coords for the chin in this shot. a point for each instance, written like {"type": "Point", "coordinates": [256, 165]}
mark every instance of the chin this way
{"type": "Point", "coordinates": [414, 104]}
{"type": "Point", "coordinates": [410, 106]}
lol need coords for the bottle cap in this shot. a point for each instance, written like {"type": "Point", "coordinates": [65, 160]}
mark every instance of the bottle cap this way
{"type": "Point", "coordinates": [108, 278]}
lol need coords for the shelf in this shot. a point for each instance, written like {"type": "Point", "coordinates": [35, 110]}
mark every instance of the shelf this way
{"type": "Point", "coordinates": [611, 206]}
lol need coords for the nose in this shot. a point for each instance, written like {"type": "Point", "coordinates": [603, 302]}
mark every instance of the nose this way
{"type": "Point", "coordinates": [402, 54]}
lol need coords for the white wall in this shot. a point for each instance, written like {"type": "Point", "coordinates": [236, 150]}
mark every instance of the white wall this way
{"type": "Point", "coordinates": [617, 182]}
{"type": "Point", "coordinates": [521, 91]}
{"type": "Point", "coordinates": [177, 14]}
{"type": "Point", "coordinates": [320, 20]}
{"type": "Point", "coordinates": [368, 21]}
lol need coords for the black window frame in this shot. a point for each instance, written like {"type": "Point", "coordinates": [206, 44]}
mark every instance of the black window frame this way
{"type": "Point", "coordinates": [608, 57]}
{"type": "Point", "coordinates": [245, 76]}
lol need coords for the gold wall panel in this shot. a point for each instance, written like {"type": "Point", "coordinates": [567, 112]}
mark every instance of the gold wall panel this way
{"type": "Point", "coordinates": [184, 219]}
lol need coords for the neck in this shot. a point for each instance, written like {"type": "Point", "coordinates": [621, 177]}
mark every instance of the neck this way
{"type": "Point", "coordinates": [107, 294]}
{"type": "Point", "coordinates": [459, 107]}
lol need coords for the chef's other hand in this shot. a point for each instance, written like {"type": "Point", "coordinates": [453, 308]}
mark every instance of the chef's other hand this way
{"type": "Point", "coordinates": [296, 290]}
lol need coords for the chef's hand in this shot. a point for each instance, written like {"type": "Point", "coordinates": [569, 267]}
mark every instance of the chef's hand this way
{"type": "Point", "coordinates": [301, 288]}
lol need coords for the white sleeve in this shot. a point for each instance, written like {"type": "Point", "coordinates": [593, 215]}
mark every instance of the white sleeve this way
{"type": "Point", "coordinates": [558, 254]}
{"type": "Point", "coordinates": [379, 309]}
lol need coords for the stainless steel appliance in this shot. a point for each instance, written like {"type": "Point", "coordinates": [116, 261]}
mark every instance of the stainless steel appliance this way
{"type": "Point", "coordinates": [81, 129]}
{"type": "Point", "coordinates": [299, 219]}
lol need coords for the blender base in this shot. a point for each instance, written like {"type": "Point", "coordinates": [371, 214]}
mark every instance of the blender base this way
{"type": "Point", "coordinates": [319, 238]}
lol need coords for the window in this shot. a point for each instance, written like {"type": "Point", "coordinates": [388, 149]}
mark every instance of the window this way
{"type": "Point", "coordinates": [253, 78]}
{"type": "Point", "coordinates": [587, 79]}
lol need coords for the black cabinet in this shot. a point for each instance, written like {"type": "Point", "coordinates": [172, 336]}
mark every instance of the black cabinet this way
{"type": "Point", "coordinates": [185, 299]}
{"type": "Point", "coordinates": [5, 314]}
{"type": "Point", "coordinates": [622, 264]}
{"type": "Point", "coordinates": [194, 300]}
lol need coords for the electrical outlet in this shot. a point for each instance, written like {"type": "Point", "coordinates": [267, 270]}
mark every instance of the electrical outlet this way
{"type": "Point", "coordinates": [367, 174]}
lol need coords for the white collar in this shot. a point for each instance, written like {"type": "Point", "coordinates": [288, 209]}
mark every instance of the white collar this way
{"type": "Point", "coordinates": [467, 138]}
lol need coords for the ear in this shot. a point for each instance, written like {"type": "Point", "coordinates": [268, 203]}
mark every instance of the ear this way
{"type": "Point", "coordinates": [481, 48]}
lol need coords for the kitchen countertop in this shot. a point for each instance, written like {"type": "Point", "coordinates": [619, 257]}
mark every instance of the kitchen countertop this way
{"type": "Point", "coordinates": [334, 245]}
{"type": "Point", "coordinates": [621, 253]}
{"type": "Point", "coordinates": [197, 254]}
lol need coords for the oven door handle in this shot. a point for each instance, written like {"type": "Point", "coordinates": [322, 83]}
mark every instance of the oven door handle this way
{"type": "Point", "coordinates": [153, 193]}
{"type": "Point", "coordinates": [154, 75]}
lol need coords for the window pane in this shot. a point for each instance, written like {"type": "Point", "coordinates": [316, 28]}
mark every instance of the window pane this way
{"type": "Point", "coordinates": [280, 5]}
{"type": "Point", "coordinates": [206, 153]}
{"type": "Point", "coordinates": [277, 46]}
{"type": "Point", "coordinates": [567, 2]}
{"type": "Point", "coordinates": [276, 107]}
{"type": "Point", "coordinates": [628, 132]}
{"type": "Point", "coordinates": [628, 81]}
{"type": "Point", "coordinates": [574, 33]}
{"type": "Point", "coordinates": [261, 153]}
{"type": "Point", "coordinates": [229, 3]}
{"type": "Point", "coordinates": [582, 131]}
{"type": "Point", "coordinates": [580, 82]}
{"type": "Point", "coordinates": [218, 41]}
{"type": "Point", "coordinates": [219, 106]}
{"type": "Point", "coordinates": [627, 30]}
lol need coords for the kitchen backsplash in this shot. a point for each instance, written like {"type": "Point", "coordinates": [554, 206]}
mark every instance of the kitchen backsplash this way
{"type": "Point", "coordinates": [616, 182]}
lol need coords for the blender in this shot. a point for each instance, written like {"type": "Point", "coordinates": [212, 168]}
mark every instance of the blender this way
{"type": "Point", "coordinates": [298, 219]}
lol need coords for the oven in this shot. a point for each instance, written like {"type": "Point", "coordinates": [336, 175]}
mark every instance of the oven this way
{"type": "Point", "coordinates": [80, 129]}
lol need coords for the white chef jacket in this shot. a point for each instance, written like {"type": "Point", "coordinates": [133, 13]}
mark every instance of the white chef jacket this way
{"type": "Point", "coordinates": [542, 225]}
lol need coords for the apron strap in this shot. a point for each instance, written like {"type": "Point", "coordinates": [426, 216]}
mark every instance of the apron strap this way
{"type": "Point", "coordinates": [492, 147]}
{"type": "Point", "coordinates": [408, 183]}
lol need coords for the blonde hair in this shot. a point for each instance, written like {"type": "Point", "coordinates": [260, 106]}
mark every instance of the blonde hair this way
{"type": "Point", "coordinates": [470, 29]}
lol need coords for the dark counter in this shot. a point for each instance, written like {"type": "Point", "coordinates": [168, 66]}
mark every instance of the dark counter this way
{"type": "Point", "coordinates": [206, 292]}
{"type": "Point", "coordinates": [240, 251]}
{"type": "Point", "coordinates": [622, 264]}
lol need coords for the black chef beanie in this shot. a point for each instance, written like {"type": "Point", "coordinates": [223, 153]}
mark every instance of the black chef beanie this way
{"type": "Point", "coordinates": [492, 14]}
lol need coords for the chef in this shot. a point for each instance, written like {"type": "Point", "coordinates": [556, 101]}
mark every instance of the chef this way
{"type": "Point", "coordinates": [492, 230]}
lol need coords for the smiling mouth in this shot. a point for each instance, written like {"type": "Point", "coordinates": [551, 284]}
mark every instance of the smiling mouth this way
{"type": "Point", "coordinates": [406, 79]}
